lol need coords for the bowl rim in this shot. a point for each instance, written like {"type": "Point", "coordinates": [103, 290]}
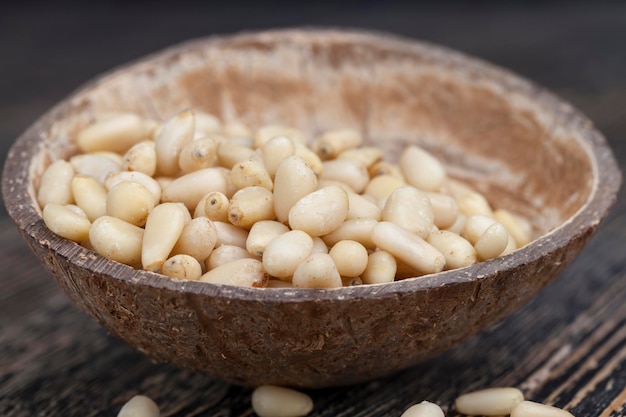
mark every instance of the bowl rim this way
{"type": "Point", "coordinates": [606, 183]}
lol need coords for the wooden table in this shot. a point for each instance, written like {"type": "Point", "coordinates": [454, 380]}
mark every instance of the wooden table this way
{"type": "Point", "coordinates": [567, 347]}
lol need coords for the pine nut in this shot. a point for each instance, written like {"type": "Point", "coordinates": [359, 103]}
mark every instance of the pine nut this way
{"type": "Point", "coordinates": [475, 226]}
{"type": "Point", "coordinates": [459, 224]}
{"type": "Point", "coordinates": [445, 209]}
{"type": "Point", "coordinates": [224, 254]}
{"type": "Point", "coordinates": [421, 169]}
{"type": "Point", "coordinates": [408, 247]}
{"type": "Point", "coordinates": [241, 272]}
{"type": "Point", "coordinates": [472, 204]}
{"type": "Point", "coordinates": [360, 207]}
{"type": "Point", "coordinates": [458, 252]}
{"type": "Point", "coordinates": [320, 212]}
{"type": "Point", "coordinates": [135, 176]}
{"type": "Point", "coordinates": [93, 165]}
{"type": "Point", "coordinates": [190, 188]}
{"type": "Point", "coordinates": [274, 151]}
{"type": "Point", "coordinates": [117, 133]}
{"type": "Point", "coordinates": [65, 222]}
{"type": "Point", "coordinates": [424, 409]}
{"type": "Point", "coordinates": [317, 271]}
{"type": "Point", "coordinates": [322, 183]}
{"type": "Point", "coordinates": [163, 228]}
{"type": "Point", "coordinates": [175, 134]}
{"type": "Point", "coordinates": [182, 266]}
{"type": "Point", "coordinates": [262, 233]}
{"type": "Point", "coordinates": [117, 240]}
{"type": "Point", "coordinates": [367, 155]}
{"type": "Point", "coordinates": [386, 168]}
{"type": "Point", "coordinates": [381, 268]}
{"type": "Point", "coordinates": [350, 258]}
{"type": "Point", "coordinates": [294, 179]}
{"type": "Point", "coordinates": [519, 230]}
{"type": "Point", "coordinates": [273, 401]}
{"type": "Point", "coordinates": [90, 196]}
{"type": "Point", "coordinates": [229, 153]}
{"type": "Point", "coordinates": [56, 184]}
{"type": "Point", "coordinates": [227, 234]}
{"type": "Point", "coordinates": [489, 402]}
{"type": "Point", "coordinates": [250, 173]}
{"type": "Point", "coordinates": [410, 208]}
{"type": "Point", "coordinates": [285, 252]}
{"type": "Point", "coordinates": [197, 239]}
{"type": "Point", "coordinates": [533, 409]}
{"type": "Point", "coordinates": [207, 123]}
{"type": "Point", "coordinates": [214, 206]}
{"type": "Point", "coordinates": [382, 186]}
{"type": "Point", "coordinates": [235, 129]}
{"type": "Point", "coordinates": [139, 406]}
{"type": "Point", "coordinates": [492, 242]}
{"type": "Point", "coordinates": [266, 133]}
{"type": "Point", "coordinates": [359, 230]}
{"type": "Point", "coordinates": [250, 205]}
{"type": "Point", "coordinates": [319, 246]}
{"type": "Point", "coordinates": [332, 143]}
{"type": "Point", "coordinates": [141, 157]}
{"type": "Point", "coordinates": [353, 173]}
{"type": "Point", "coordinates": [130, 201]}
{"type": "Point", "coordinates": [311, 158]}
{"type": "Point", "coordinates": [198, 154]}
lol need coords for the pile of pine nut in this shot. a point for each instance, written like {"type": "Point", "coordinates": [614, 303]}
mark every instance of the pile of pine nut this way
{"type": "Point", "coordinates": [196, 199]}
{"type": "Point", "coordinates": [274, 401]}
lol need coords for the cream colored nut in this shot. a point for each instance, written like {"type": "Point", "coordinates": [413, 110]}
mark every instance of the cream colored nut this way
{"type": "Point", "coordinates": [320, 212]}
{"type": "Point", "coordinates": [236, 129]}
{"type": "Point", "coordinates": [330, 144]}
{"type": "Point", "coordinates": [227, 234]}
{"type": "Point", "coordinates": [139, 406]}
{"type": "Point", "coordinates": [285, 252]}
{"type": "Point", "coordinates": [489, 402]}
{"type": "Point", "coordinates": [317, 271]}
{"type": "Point", "coordinates": [475, 226]}
{"type": "Point", "coordinates": [250, 205]}
{"type": "Point", "coordinates": [141, 157]}
{"type": "Point", "coordinates": [250, 173]}
{"type": "Point", "coordinates": [457, 251]}
{"type": "Point", "coordinates": [459, 224]}
{"type": "Point", "coordinates": [117, 133]}
{"type": "Point", "coordinates": [262, 233]}
{"type": "Point", "coordinates": [190, 188]}
{"type": "Point", "coordinates": [56, 184]}
{"type": "Point", "coordinates": [174, 135]}
{"type": "Point", "coordinates": [322, 183]}
{"type": "Point", "coordinates": [90, 196]}
{"type": "Point", "coordinates": [163, 228]}
{"type": "Point", "coordinates": [198, 154]}
{"type": "Point", "coordinates": [533, 409]}
{"type": "Point", "coordinates": [474, 204]}
{"type": "Point", "coordinates": [386, 168]}
{"type": "Point", "coordinates": [455, 189]}
{"type": "Point", "coordinates": [348, 171]}
{"type": "Point", "coordinates": [445, 209]}
{"type": "Point", "coordinates": [510, 246]}
{"type": "Point", "coordinates": [65, 222]}
{"type": "Point", "coordinates": [517, 227]}
{"type": "Point", "coordinates": [197, 239]}
{"type": "Point", "coordinates": [424, 409]}
{"type": "Point", "coordinates": [359, 230]}
{"type": "Point", "coordinates": [294, 179]}
{"type": "Point", "coordinates": [273, 401]}
{"type": "Point", "coordinates": [230, 187]}
{"type": "Point", "coordinates": [382, 186]}
{"type": "Point", "coordinates": [362, 208]}
{"type": "Point", "coordinates": [229, 153]}
{"type": "Point", "coordinates": [135, 176]}
{"type": "Point", "coordinates": [214, 206]}
{"type": "Point", "coordinates": [182, 266]}
{"type": "Point", "coordinates": [207, 123]}
{"type": "Point", "coordinates": [492, 242]}
{"type": "Point", "coordinates": [266, 133]}
{"type": "Point", "coordinates": [129, 201]}
{"type": "Point", "coordinates": [381, 268]}
{"type": "Point", "coordinates": [117, 240]}
{"type": "Point", "coordinates": [115, 157]}
{"type": "Point", "coordinates": [408, 247]}
{"type": "Point", "coordinates": [242, 272]}
{"type": "Point", "coordinates": [421, 169]}
{"type": "Point", "coordinates": [95, 165]}
{"type": "Point", "coordinates": [350, 257]}
{"type": "Point", "coordinates": [274, 151]}
{"type": "Point", "coordinates": [164, 181]}
{"type": "Point", "coordinates": [319, 246]}
{"type": "Point", "coordinates": [410, 208]}
{"type": "Point", "coordinates": [367, 155]}
{"type": "Point", "coordinates": [76, 210]}
{"type": "Point", "coordinates": [311, 158]}
{"type": "Point", "coordinates": [225, 254]}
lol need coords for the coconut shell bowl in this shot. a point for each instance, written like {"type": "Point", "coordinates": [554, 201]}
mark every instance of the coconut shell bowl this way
{"type": "Point", "coordinates": [526, 150]}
